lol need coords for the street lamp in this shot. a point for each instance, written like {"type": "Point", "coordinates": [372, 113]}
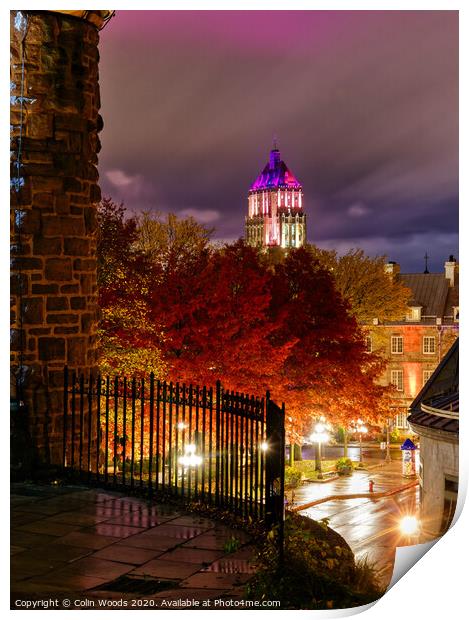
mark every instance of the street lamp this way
{"type": "Point", "coordinates": [410, 528]}
{"type": "Point", "coordinates": [318, 437]}
{"type": "Point", "coordinates": [388, 446]}
{"type": "Point", "coordinates": [361, 429]}
{"type": "Point", "coordinates": [190, 458]}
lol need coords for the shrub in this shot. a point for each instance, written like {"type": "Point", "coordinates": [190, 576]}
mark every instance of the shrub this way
{"type": "Point", "coordinates": [292, 477]}
{"type": "Point", "coordinates": [344, 465]}
{"type": "Point", "coordinates": [318, 570]}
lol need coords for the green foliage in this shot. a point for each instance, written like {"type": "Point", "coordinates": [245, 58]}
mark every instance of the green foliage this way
{"type": "Point", "coordinates": [292, 477]}
{"type": "Point", "coordinates": [340, 434]}
{"type": "Point", "coordinates": [344, 465]}
{"type": "Point", "coordinates": [308, 467]}
{"type": "Point", "coordinates": [318, 571]}
{"type": "Point", "coordinates": [361, 280]}
{"type": "Point", "coordinates": [395, 436]}
{"type": "Point", "coordinates": [231, 545]}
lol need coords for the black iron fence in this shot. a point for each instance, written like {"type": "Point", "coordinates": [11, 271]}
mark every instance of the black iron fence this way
{"type": "Point", "coordinates": [198, 443]}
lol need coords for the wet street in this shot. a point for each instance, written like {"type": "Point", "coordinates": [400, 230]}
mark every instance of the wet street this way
{"type": "Point", "coordinates": [370, 526]}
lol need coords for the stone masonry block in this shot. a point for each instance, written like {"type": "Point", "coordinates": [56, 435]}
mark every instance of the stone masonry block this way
{"type": "Point", "coordinates": [78, 303]}
{"type": "Point", "coordinates": [62, 319]}
{"type": "Point", "coordinates": [51, 348]}
{"type": "Point", "coordinates": [40, 126]}
{"type": "Point", "coordinates": [33, 310]}
{"type": "Point", "coordinates": [57, 303]}
{"type": "Point", "coordinates": [77, 247]}
{"type": "Point", "coordinates": [76, 351]}
{"type": "Point", "coordinates": [45, 289]}
{"type": "Point", "coordinates": [58, 269]}
{"type": "Point", "coordinates": [50, 246]}
{"type": "Point", "coordinates": [84, 264]}
{"type": "Point", "coordinates": [53, 225]}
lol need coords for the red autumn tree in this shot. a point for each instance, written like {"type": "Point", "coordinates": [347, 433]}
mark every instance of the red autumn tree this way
{"type": "Point", "coordinates": [327, 371]}
{"type": "Point", "coordinates": [205, 314]}
{"type": "Point", "coordinates": [216, 320]}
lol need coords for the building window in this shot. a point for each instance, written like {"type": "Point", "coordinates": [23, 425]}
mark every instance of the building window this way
{"type": "Point", "coordinates": [368, 344]}
{"type": "Point", "coordinates": [429, 345]}
{"type": "Point", "coordinates": [414, 313]}
{"type": "Point", "coordinates": [401, 420]}
{"type": "Point", "coordinates": [397, 379]}
{"type": "Point", "coordinates": [449, 506]}
{"type": "Point", "coordinates": [456, 314]}
{"type": "Point", "coordinates": [426, 375]}
{"type": "Point", "coordinates": [397, 344]}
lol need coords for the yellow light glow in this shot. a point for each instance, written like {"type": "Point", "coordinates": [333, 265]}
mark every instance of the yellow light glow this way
{"type": "Point", "coordinates": [264, 446]}
{"type": "Point", "coordinates": [410, 525]}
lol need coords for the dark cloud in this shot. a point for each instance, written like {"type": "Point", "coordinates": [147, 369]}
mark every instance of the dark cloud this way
{"type": "Point", "coordinates": [365, 105]}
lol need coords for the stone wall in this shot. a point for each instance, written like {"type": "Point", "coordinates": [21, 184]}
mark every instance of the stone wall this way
{"type": "Point", "coordinates": [439, 458]}
{"type": "Point", "coordinates": [54, 191]}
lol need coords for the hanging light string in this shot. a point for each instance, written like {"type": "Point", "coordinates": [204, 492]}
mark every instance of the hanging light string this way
{"type": "Point", "coordinates": [18, 215]}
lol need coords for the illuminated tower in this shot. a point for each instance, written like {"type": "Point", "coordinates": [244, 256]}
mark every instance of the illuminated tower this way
{"type": "Point", "coordinates": [275, 203]}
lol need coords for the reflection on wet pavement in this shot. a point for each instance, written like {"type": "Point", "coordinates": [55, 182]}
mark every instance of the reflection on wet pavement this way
{"type": "Point", "coordinates": [370, 526]}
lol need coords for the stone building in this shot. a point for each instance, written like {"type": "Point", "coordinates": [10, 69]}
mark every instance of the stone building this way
{"type": "Point", "coordinates": [414, 346]}
{"type": "Point", "coordinates": [435, 418]}
{"type": "Point", "coordinates": [54, 191]}
{"type": "Point", "coordinates": [275, 207]}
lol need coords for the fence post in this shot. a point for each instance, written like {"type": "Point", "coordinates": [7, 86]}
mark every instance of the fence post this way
{"type": "Point", "coordinates": [217, 443]}
{"type": "Point", "coordinates": [64, 456]}
{"type": "Point", "coordinates": [275, 470]}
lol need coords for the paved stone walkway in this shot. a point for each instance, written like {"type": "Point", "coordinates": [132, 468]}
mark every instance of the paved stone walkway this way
{"type": "Point", "coordinates": [88, 548]}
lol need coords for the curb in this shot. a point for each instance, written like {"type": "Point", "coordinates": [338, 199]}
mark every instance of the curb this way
{"type": "Point", "coordinates": [380, 495]}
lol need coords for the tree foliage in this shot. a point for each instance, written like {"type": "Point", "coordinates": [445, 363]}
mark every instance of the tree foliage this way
{"type": "Point", "coordinates": [169, 240]}
{"type": "Point", "coordinates": [191, 312]}
{"type": "Point", "coordinates": [125, 278]}
{"type": "Point", "coordinates": [361, 280]}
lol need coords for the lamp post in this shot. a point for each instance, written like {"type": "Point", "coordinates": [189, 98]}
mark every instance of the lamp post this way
{"type": "Point", "coordinates": [360, 428]}
{"type": "Point", "coordinates": [318, 437]}
{"type": "Point", "coordinates": [388, 446]}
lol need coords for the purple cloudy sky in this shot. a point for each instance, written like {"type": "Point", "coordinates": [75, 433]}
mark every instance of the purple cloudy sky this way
{"type": "Point", "coordinates": [364, 104]}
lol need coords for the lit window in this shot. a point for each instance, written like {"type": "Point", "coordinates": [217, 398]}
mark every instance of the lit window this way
{"type": "Point", "coordinates": [456, 314]}
{"type": "Point", "coordinates": [429, 345]}
{"type": "Point", "coordinates": [401, 420]}
{"type": "Point", "coordinates": [397, 379]}
{"type": "Point", "coordinates": [368, 344]}
{"type": "Point", "coordinates": [414, 313]}
{"type": "Point", "coordinates": [426, 375]}
{"type": "Point", "coordinates": [397, 344]}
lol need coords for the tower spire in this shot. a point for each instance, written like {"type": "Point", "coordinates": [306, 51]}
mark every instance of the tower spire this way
{"type": "Point", "coordinates": [275, 143]}
{"type": "Point", "coordinates": [426, 257]}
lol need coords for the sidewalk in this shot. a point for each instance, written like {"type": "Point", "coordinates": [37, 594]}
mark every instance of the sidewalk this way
{"type": "Point", "coordinates": [94, 547]}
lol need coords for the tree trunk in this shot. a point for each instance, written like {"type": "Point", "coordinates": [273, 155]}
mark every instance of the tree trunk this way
{"type": "Point", "coordinates": [345, 443]}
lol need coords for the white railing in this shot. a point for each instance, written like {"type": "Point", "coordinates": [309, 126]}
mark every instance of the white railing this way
{"type": "Point", "coordinates": [442, 413]}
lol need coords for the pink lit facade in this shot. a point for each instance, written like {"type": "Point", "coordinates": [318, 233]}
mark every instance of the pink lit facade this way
{"type": "Point", "coordinates": [275, 207]}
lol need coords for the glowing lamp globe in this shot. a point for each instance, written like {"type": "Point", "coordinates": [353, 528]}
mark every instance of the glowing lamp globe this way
{"type": "Point", "coordinates": [410, 525]}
